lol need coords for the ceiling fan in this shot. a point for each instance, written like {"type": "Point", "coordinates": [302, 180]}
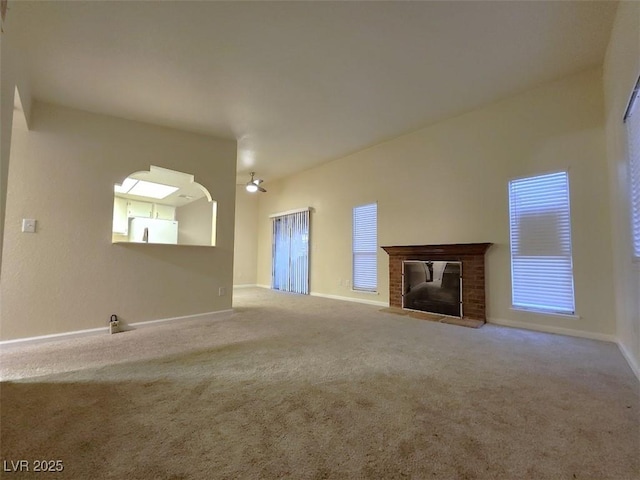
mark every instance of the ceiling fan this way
{"type": "Point", "coordinates": [253, 185]}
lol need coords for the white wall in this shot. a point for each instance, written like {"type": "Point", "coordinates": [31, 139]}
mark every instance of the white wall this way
{"type": "Point", "coordinates": [246, 237]}
{"type": "Point", "coordinates": [69, 276]}
{"type": "Point", "coordinates": [11, 77]}
{"type": "Point", "coordinates": [6, 119]}
{"type": "Point", "coordinates": [196, 223]}
{"type": "Point", "coordinates": [621, 70]}
{"type": "Point", "coordinates": [447, 183]}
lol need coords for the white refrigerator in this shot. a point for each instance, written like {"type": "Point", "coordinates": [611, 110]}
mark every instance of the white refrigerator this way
{"type": "Point", "coordinates": [153, 230]}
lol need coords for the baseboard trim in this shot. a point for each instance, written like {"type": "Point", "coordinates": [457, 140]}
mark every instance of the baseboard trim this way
{"type": "Point", "coordinates": [268, 287]}
{"type": "Point", "coordinates": [633, 364]}
{"type": "Point", "coordinates": [339, 297]}
{"type": "Point", "coordinates": [549, 329]}
{"type": "Point", "coordinates": [196, 316]}
{"type": "Point", "coordinates": [246, 285]}
{"type": "Point", "coordinates": [53, 336]}
{"type": "Point", "coordinates": [350, 299]}
{"type": "Point", "coordinates": [94, 331]}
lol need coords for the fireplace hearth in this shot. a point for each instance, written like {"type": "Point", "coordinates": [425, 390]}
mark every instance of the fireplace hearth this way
{"type": "Point", "coordinates": [414, 265]}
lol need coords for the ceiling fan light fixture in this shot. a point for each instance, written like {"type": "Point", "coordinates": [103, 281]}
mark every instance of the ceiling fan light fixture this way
{"type": "Point", "coordinates": [253, 185]}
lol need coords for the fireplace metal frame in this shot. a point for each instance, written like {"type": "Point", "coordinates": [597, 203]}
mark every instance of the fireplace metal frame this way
{"type": "Point", "coordinates": [460, 280]}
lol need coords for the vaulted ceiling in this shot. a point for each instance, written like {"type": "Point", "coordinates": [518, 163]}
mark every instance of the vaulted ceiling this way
{"type": "Point", "coordinates": [300, 83]}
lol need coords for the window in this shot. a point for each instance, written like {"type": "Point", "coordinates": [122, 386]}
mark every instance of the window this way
{"type": "Point", "coordinates": [632, 119]}
{"type": "Point", "coordinates": [540, 225]}
{"type": "Point", "coordinates": [365, 247]}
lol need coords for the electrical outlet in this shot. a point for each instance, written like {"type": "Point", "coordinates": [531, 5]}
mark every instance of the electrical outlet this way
{"type": "Point", "coordinates": [222, 292]}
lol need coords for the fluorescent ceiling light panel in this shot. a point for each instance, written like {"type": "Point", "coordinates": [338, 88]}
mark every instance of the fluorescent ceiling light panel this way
{"type": "Point", "coordinates": [153, 190]}
{"type": "Point", "coordinates": [126, 185]}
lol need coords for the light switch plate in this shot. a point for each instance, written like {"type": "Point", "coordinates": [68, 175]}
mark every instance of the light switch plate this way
{"type": "Point", "coordinates": [28, 225]}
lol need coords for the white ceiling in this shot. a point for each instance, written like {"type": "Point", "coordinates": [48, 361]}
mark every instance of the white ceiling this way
{"type": "Point", "coordinates": [301, 83]}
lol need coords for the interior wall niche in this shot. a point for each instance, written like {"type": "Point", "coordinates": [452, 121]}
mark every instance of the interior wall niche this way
{"type": "Point", "coordinates": [163, 206]}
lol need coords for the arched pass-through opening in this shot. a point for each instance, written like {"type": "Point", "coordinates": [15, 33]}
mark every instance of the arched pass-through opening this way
{"type": "Point", "coordinates": [162, 206]}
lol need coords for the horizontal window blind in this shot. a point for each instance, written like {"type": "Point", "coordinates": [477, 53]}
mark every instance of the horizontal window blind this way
{"type": "Point", "coordinates": [365, 247]}
{"type": "Point", "coordinates": [540, 226]}
{"type": "Point", "coordinates": [633, 131]}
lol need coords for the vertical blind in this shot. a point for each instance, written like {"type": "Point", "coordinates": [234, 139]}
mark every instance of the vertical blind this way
{"type": "Point", "coordinates": [290, 266]}
{"type": "Point", "coordinates": [540, 225]}
{"type": "Point", "coordinates": [365, 247]}
{"type": "Point", "coordinates": [633, 131]}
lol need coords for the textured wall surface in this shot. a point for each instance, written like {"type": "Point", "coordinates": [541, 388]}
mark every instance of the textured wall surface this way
{"type": "Point", "coordinates": [448, 183]}
{"type": "Point", "coordinates": [69, 276]}
{"type": "Point", "coordinates": [621, 70]}
{"type": "Point", "coordinates": [246, 237]}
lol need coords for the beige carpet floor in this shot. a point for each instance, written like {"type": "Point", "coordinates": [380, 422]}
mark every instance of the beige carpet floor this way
{"type": "Point", "coordinates": [309, 388]}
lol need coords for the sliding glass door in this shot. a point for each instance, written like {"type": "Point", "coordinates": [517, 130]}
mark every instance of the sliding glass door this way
{"type": "Point", "coordinates": [290, 265]}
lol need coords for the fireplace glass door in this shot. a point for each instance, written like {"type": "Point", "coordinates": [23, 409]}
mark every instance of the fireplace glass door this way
{"type": "Point", "coordinates": [432, 287]}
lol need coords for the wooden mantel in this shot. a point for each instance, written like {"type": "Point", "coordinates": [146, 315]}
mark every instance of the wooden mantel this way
{"type": "Point", "coordinates": [446, 249]}
{"type": "Point", "coordinates": [473, 282]}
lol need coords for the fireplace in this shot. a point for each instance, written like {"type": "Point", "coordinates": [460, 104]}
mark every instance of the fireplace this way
{"type": "Point", "coordinates": [417, 280]}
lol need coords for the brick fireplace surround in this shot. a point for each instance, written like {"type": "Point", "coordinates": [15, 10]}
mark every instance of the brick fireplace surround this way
{"type": "Point", "coordinates": [470, 254]}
